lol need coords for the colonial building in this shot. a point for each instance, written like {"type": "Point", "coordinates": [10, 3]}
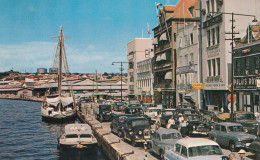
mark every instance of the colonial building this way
{"type": "Point", "coordinates": [216, 48]}
{"type": "Point", "coordinates": [138, 50]}
{"type": "Point", "coordinates": [171, 18]}
{"type": "Point", "coordinates": [246, 61]}
{"type": "Point", "coordinates": [187, 71]}
{"type": "Point", "coordinates": [145, 78]}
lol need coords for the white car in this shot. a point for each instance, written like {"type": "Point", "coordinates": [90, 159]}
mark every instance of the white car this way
{"type": "Point", "coordinates": [194, 149]}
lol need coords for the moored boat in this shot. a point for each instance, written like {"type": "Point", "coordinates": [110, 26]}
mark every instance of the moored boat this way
{"type": "Point", "coordinates": [78, 137]}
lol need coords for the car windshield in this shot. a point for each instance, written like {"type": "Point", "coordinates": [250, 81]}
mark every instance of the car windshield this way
{"type": "Point", "coordinates": [204, 150]}
{"type": "Point", "coordinates": [171, 136]}
{"type": "Point", "coordinates": [235, 129]}
{"type": "Point", "coordinates": [105, 108]}
{"type": "Point", "coordinates": [194, 118]}
{"type": "Point", "coordinates": [168, 113]}
{"type": "Point", "coordinates": [245, 117]}
{"type": "Point", "coordinates": [122, 118]}
{"type": "Point", "coordinates": [140, 123]}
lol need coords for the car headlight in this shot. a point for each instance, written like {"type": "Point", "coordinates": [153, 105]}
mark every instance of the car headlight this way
{"type": "Point", "coordinates": [246, 130]}
{"type": "Point", "coordinates": [239, 139]}
{"type": "Point", "coordinates": [140, 132]}
{"type": "Point", "coordinates": [193, 127]}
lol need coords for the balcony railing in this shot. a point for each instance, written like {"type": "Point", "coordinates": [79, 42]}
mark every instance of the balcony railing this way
{"type": "Point", "coordinates": [162, 47]}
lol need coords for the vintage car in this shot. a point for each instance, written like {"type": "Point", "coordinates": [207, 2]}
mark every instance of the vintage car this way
{"type": "Point", "coordinates": [196, 125]}
{"type": "Point", "coordinates": [231, 135]}
{"type": "Point", "coordinates": [185, 111]}
{"type": "Point", "coordinates": [103, 112]}
{"type": "Point", "coordinates": [136, 130]}
{"type": "Point", "coordinates": [185, 106]}
{"type": "Point", "coordinates": [162, 139]}
{"type": "Point", "coordinates": [134, 110]}
{"type": "Point", "coordinates": [166, 115]}
{"type": "Point", "coordinates": [194, 149]}
{"type": "Point", "coordinates": [254, 147]}
{"type": "Point", "coordinates": [152, 112]}
{"type": "Point", "coordinates": [117, 123]}
{"type": "Point", "coordinates": [118, 106]}
{"type": "Point", "coordinates": [248, 121]}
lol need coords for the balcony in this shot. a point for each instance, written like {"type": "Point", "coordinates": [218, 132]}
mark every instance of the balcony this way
{"type": "Point", "coordinates": [162, 47]}
{"type": "Point", "coordinates": [164, 84]}
{"type": "Point", "coordinates": [162, 66]}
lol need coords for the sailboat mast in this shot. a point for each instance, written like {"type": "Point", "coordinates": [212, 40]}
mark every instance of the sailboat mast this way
{"type": "Point", "coordinates": [60, 62]}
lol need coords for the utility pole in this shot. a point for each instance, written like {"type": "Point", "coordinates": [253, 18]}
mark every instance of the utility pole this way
{"type": "Point", "coordinates": [121, 70]}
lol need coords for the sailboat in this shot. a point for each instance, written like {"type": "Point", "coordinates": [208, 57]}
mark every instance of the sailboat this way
{"type": "Point", "coordinates": [59, 108]}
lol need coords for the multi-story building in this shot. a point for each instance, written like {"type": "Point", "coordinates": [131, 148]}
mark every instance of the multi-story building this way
{"type": "Point", "coordinates": [171, 18]}
{"type": "Point", "coordinates": [187, 71]}
{"type": "Point", "coordinates": [246, 62]}
{"type": "Point", "coordinates": [137, 50]}
{"type": "Point", "coordinates": [145, 78]}
{"type": "Point", "coordinates": [216, 49]}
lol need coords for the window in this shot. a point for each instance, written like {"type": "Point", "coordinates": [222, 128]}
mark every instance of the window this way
{"type": "Point", "coordinates": [212, 6]}
{"type": "Point", "coordinates": [208, 6]}
{"type": "Point", "coordinates": [184, 151]}
{"type": "Point", "coordinates": [256, 62]}
{"type": "Point", "coordinates": [217, 34]}
{"type": "Point", "coordinates": [180, 61]}
{"type": "Point", "coordinates": [191, 58]}
{"type": "Point", "coordinates": [209, 67]}
{"type": "Point", "coordinates": [177, 148]}
{"type": "Point", "coordinates": [191, 38]}
{"type": "Point", "coordinates": [223, 129]}
{"type": "Point", "coordinates": [214, 67]}
{"type": "Point", "coordinates": [186, 60]}
{"type": "Point", "coordinates": [218, 66]}
{"type": "Point", "coordinates": [217, 127]}
{"type": "Point", "coordinates": [174, 37]}
{"type": "Point", "coordinates": [208, 36]}
{"type": "Point", "coordinates": [247, 62]}
{"type": "Point", "coordinates": [213, 36]}
{"type": "Point", "coordinates": [238, 66]}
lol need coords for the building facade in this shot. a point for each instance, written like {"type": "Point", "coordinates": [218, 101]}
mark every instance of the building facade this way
{"type": "Point", "coordinates": [187, 70]}
{"type": "Point", "coordinates": [216, 48]}
{"type": "Point", "coordinates": [137, 51]}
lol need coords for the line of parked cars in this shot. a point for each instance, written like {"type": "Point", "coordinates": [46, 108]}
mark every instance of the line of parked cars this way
{"type": "Point", "coordinates": [134, 126]}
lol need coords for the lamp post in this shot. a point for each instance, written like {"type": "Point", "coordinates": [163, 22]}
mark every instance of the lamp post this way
{"type": "Point", "coordinates": [121, 69]}
{"type": "Point", "coordinates": [232, 51]}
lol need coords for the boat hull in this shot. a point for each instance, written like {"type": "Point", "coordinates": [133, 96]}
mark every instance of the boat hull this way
{"type": "Point", "coordinates": [60, 117]}
{"type": "Point", "coordinates": [77, 147]}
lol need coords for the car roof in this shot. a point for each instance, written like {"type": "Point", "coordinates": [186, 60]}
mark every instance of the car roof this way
{"type": "Point", "coordinates": [169, 110]}
{"type": "Point", "coordinates": [119, 115]}
{"type": "Point", "coordinates": [134, 118]}
{"type": "Point", "coordinates": [166, 131]}
{"type": "Point", "coordinates": [229, 124]}
{"type": "Point", "coordinates": [193, 142]}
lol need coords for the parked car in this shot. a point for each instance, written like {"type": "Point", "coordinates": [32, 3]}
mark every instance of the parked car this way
{"type": "Point", "coordinates": [196, 125]}
{"type": "Point", "coordinates": [185, 111]}
{"type": "Point", "coordinates": [248, 121]}
{"type": "Point", "coordinates": [117, 123]}
{"type": "Point", "coordinates": [195, 149]}
{"type": "Point", "coordinates": [103, 112]}
{"type": "Point", "coordinates": [166, 115]}
{"type": "Point", "coordinates": [136, 130]}
{"type": "Point", "coordinates": [186, 106]}
{"type": "Point", "coordinates": [152, 112]}
{"type": "Point", "coordinates": [163, 139]}
{"type": "Point", "coordinates": [134, 110]}
{"type": "Point", "coordinates": [254, 147]}
{"type": "Point", "coordinates": [231, 135]}
{"type": "Point", "coordinates": [118, 106]}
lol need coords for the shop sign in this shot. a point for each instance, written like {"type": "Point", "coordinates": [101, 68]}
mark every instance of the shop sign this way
{"type": "Point", "coordinates": [197, 85]}
{"type": "Point", "coordinates": [181, 90]}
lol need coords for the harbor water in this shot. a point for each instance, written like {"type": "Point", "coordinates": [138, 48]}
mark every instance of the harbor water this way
{"type": "Point", "coordinates": [23, 134]}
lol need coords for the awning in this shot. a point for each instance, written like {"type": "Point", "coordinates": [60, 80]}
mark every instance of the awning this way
{"type": "Point", "coordinates": [163, 37]}
{"type": "Point", "coordinates": [155, 41]}
{"type": "Point", "coordinates": [168, 75]}
{"type": "Point", "coordinates": [158, 58]}
{"type": "Point", "coordinates": [161, 57]}
{"type": "Point", "coordinates": [189, 98]}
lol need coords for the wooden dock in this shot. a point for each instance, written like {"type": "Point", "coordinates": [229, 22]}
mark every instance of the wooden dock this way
{"type": "Point", "coordinates": [113, 146]}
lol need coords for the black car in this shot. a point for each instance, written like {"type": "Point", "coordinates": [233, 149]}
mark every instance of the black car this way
{"type": "Point", "coordinates": [166, 115]}
{"type": "Point", "coordinates": [118, 106]}
{"type": "Point", "coordinates": [134, 110]}
{"type": "Point", "coordinates": [185, 111]}
{"type": "Point", "coordinates": [248, 121]}
{"type": "Point", "coordinates": [136, 130]}
{"type": "Point", "coordinates": [196, 125]}
{"type": "Point", "coordinates": [103, 112]}
{"type": "Point", "coordinates": [117, 123]}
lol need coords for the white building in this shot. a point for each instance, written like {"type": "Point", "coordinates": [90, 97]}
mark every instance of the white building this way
{"type": "Point", "coordinates": [187, 70]}
{"type": "Point", "coordinates": [136, 52]}
{"type": "Point", "coordinates": [216, 50]}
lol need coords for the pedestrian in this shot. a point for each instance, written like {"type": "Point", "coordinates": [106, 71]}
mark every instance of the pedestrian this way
{"type": "Point", "coordinates": [180, 119]}
{"type": "Point", "coordinates": [183, 126]}
{"type": "Point", "coordinates": [158, 120]}
{"type": "Point", "coordinates": [242, 154]}
{"type": "Point", "coordinates": [232, 156]}
{"type": "Point", "coordinates": [170, 123]}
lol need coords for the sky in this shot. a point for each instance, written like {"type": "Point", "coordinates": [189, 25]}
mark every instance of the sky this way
{"type": "Point", "coordinates": [99, 31]}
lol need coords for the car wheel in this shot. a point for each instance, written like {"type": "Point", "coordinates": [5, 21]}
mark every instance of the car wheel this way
{"type": "Point", "coordinates": [120, 134]}
{"type": "Point", "coordinates": [161, 155]}
{"type": "Point", "coordinates": [133, 142]}
{"type": "Point", "coordinates": [232, 146]}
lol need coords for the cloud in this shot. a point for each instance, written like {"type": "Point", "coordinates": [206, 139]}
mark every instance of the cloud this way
{"type": "Point", "coordinates": [32, 55]}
